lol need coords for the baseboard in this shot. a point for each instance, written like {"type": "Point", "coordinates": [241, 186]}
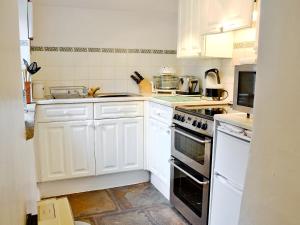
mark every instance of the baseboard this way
{"type": "Point", "coordinates": [161, 186]}
{"type": "Point", "coordinates": [64, 187]}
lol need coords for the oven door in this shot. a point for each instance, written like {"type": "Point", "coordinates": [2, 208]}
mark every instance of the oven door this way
{"type": "Point", "coordinates": [189, 192]}
{"type": "Point", "coordinates": [192, 149]}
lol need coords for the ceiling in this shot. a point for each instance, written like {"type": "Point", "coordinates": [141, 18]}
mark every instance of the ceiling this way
{"type": "Point", "coordinates": [169, 6]}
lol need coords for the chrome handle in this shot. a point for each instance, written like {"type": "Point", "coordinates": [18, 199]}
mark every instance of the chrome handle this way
{"type": "Point", "coordinates": [195, 139]}
{"type": "Point", "coordinates": [171, 161]}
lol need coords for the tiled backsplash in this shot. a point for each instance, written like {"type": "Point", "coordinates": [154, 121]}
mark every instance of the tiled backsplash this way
{"type": "Point", "coordinates": [108, 68]}
{"type": "Point", "coordinates": [111, 70]}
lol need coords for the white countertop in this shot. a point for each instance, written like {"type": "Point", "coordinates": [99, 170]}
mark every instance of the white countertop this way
{"type": "Point", "coordinates": [236, 119]}
{"type": "Point", "coordinates": [170, 101]}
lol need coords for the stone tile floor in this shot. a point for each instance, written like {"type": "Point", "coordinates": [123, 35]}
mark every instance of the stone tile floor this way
{"type": "Point", "coordinates": [139, 204]}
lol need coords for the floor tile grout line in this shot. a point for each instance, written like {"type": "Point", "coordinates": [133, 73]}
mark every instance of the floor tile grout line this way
{"type": "Point", "coordinates": [114, 199]}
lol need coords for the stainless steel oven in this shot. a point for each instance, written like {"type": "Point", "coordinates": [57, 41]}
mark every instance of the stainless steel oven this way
{"type": "Point", "coordinates": [192, 148]}
{"type": "Point", "coordinates": [192, 136]}
{"type": "Point", "coordinates": [189, 192]}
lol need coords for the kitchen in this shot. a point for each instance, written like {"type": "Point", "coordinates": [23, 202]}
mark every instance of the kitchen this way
{"type": "Point", "coordinates": [147, 112]}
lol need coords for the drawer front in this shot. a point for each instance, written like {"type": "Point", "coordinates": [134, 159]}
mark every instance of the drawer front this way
{"type": "Point", "coordinates": [161, 113]}
{"type": "Point", "coordinates": [232, 156]}
{"type": "Point", "coordinates": [64, 112]}
{"type": "Point", "coordinates": [113, 110]}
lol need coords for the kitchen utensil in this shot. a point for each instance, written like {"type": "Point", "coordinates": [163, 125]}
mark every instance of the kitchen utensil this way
{"type": "Point", "coordinates": [215, 72]}
{"type": "Point", "coordinates": [145, 86]}
{"type": "Point", "coordinates": [212, 85]}
{"type": "Point", "coordinates": [63, 92]}
{"type": "Point", "coordinates": [137, 80]}
{"type": "Point", "coordinates": [92, 91]}
{"type": "Point", "coordinates": [32, 68]}
{"type": "Point", "coordinates": [28, 93]}
{"type": "Point", "coordinates": [168, 82]}
{"type": "Point", "coordinates": [139, 75]}
{"type": "Point", "coordinates": [167, 71]}
{"type": "Point", "coordinates": [216, 94]}
{"type": "Point", "coordinates": [189, 85]}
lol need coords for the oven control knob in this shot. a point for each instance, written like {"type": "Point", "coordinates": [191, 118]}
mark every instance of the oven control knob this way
{"type": "Point", "coordinates": [204, 126]}
{"type": "Point", "coordinates": [194, 123]}
{"type": "Point", "coordinates": [179, 117]}
{"type": "Point", "coordinates": [175, 116]}
{"type": "Point", "coordinates": [182, 119]}
{"type": "Point", "coordinates": [199, 125]}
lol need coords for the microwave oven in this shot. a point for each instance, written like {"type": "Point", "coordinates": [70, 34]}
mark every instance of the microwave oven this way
{"type": "Point", "coordinates": [244, 88]}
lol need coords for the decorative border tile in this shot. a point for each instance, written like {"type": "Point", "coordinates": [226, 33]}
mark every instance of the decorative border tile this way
{"type": "Point", "coordinates": [80, 49]}
{"type": "Point", "coordinates": [133, 50]}
{"type": "Point", "coordinates": [103, 50]}
{"type": "Point", "coordinates": [171, 52]}
{"type": "Point", "coordinates": [37, 48]}
{"type": "Point", "coordinates": [146, 51]}
{"type": "Point", "coordinates": [245, 44]}
{"type": "Point", "coordinates": [51, 49]}
{"type": "Point", "coordinates": [120, 50]}
{"type": "Point", "coordinates": [108, 50]}
{"type": "Point", "coordinates": [94, 50]}
{"type": "Point", "coordinates": [66, 49]}
{"type": "Point", "coordinates": [156, 51]}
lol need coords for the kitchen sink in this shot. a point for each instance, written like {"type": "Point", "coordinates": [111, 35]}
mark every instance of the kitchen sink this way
{"type": "Point", "coordinates": [112, 95]}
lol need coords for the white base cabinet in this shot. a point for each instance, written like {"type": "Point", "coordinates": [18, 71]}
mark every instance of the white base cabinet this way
{"type": "Point", "coordinates": [158, 142]}
{"type": "Point", "coordinates": [160, 150]}
{"type": "Point", "coordinates": [230, 160]}
{"type": "Point", "coordinates": [119, 145]}
{"type": "Point", "coordinates": [66, 150]}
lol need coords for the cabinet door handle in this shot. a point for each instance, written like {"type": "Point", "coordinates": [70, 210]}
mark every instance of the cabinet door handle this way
{"type": "Point", "coordinates": [171, 161]}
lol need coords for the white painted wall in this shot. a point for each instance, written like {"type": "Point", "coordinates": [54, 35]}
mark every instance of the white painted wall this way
{"type": "Point", "coordinates": [143, 24]}
{"type": "Point", "coordinates": [16, 156]}
{"type": "Point", "coordinates": [56, 25]}
{"type": "Point", "coordinates": [272, 194]}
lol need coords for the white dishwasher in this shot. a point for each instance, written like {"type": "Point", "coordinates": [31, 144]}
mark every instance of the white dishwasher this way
{"type": "Point", "coordinates": [231, 159]}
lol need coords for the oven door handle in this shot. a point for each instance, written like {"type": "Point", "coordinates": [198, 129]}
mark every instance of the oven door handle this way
{"type": "Point", "coordinates": [171, 161]}
{"type": "Point", "coordinates": [191, 137]}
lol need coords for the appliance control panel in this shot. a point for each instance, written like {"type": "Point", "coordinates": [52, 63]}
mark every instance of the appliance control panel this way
{"type": "Point", "coordinates": [194, 123]}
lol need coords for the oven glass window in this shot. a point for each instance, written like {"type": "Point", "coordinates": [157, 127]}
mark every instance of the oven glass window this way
{"type": "Point", "coordinates": [188, 191]}
{"type": "Point", "coordinates": [190, 148]}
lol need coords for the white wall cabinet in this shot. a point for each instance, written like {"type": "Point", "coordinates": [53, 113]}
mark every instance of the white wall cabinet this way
{"type": "Point", "coordinates": [192, 25]}
{"type": "Point", "coordinates": [119, 145]}
{"type": "Point", "coordinates": [66, 150]}
{"type": "Point", "coordinates": [226, 15]}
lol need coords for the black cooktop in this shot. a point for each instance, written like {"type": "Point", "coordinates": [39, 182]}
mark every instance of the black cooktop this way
{"type": "Point", "coordinates": [206, 112]}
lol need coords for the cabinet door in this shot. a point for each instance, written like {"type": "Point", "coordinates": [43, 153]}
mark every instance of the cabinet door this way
{"type": "Point", "coordinates": [153, 149]}
{"type": "Point", "coordinates": [159, 150]}
{"type": "Point", "coordinates": [226, 15]}
{"type": "Point", "coordinates": [164, 153]}
{"type": "Point", "coordinates": [237, 14]}
{"type": "Point", "coordinates": [132, 144]}
{"type": "Point", "coordinates": [66, 150]}
{"type": "Point", "coordinates": [226, 203]}
{"type": "Point", "coordinates": [108, 144]}
{"type": "Point", "coordinates": [189, 29]}
{"type": "Point", "coordinates": [81, 148]}
{"type": "Point", "coordinates": [52, 151]}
